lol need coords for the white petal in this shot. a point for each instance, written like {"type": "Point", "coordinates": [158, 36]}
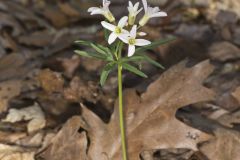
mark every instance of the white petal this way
{"type": "Point", "coordinates": [142, 42]}
{"type": "Point", "coordinates": [92, 9]}
{"type": "Point", "coordinates": [122, 22]}
{"type": "Point", "coordinates": [95, 10]}
{"type": "Point", "coordinates": [145, 5]}
{"type": "Point", "coordinates": [131, 50]}
{"type": "Point", "coordinates": [142, 33]}
{"type": "Point", "coordinates": [108, 26]}
{"type": "Point", "coordinates": [139, 11]}
{"type": "Point", "coordinates": [136, 6]}
{"type": "Point", "coordinates": [130, 4]}
{"type": "Point", "coordinates": [155, 9]}
{"type": "Point", "coordinates": [112, 38]}
{"type": "Point", "coordinates": [106, 3]}
{"type": "Point", "coordinates": [124, 38]}
{"type": "Point", "coordinates": [124, 31]}
{"type": "Point", "coordinates": [159, 14]}
{"type": "Point", "coordinates": [133, 32]}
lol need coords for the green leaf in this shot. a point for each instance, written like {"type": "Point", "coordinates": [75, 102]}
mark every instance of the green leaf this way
{"type": "Point", "coordinates": [82, 42]}
{"type": "Point", "coordinates": [82, 53]}
{"type": "Point", "coordinates": [90, 55]}
{"type": "Point", "coordinates": [150, 60]}
{"type": "Point", "coordinates": [106, 70]}
{"type": "Point", "coordinates": [154, 44]}
{"type": "Point", "coordinates": [106, 34]}
{"type": "Point", "coordinates": [134, 70]}
{"type": "Point", "coordinates": [132, 59]}
{"type": "Point", "coordinates": [97, 47]}
{"type": "Point", "coordinates": [140, 57]}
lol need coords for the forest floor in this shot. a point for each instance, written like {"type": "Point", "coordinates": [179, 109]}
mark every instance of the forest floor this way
{"type": "Point", "coordinates": [53, 108]}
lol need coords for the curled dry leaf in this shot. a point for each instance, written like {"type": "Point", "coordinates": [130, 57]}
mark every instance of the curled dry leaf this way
{"type": "Point", "coordinates": [68, 144]}
{"type": "Point", "coordinates": [8, 152]}
{"type": "Point", "coordinates": [150, 118]}
{"type": "Point", "coordinates": [33, 114]}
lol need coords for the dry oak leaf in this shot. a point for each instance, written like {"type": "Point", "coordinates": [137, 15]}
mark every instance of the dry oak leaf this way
{"type": "Point", "coordinates": [150, 118]}
{"type": "Point", "coordinates": [225, 145]}
{"type": "Point", "coordinates": [68, 144]}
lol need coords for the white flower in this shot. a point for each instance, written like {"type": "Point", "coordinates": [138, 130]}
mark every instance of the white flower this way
{"type": "Point", "coordinates": [117, 31]}
{"type": "Point", "coordinates": [141, 34]}
{"type": "Point", "coordinates": [133, 12]}
{"type": "Point", "coordinates": [132, 41]}
{"type": "Point", "coordinates": [150, 12]}
{"type": "Point", "coordinates": [104, 10]}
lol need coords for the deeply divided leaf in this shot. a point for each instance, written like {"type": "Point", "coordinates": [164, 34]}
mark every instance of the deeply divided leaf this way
{"type": "Point", "coordinates": [105, 72]}
{"type": "Point", "coordinates": [91, 55]}
{"type": "Point", "coordinates": [134, 70]}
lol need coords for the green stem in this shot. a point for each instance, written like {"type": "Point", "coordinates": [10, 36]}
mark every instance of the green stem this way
{"type": "Point", "coordinates": [121, 115]}
{"type": "Point", "coordinates": [120, 98]}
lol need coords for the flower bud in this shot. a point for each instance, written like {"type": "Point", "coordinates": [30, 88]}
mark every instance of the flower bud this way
{"type": "Point", "coordinates": [109, 16]}
{"type": "Point", "coordinates": [141, 34]}
{"type": "Point", "coordinates": [131, 19]}
{"type": "Point", "coordinates": [144, 20]}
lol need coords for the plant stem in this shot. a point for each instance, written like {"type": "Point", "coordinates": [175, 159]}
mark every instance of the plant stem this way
{"type": "Point", "coordinates": [121, 115]}
{"type": "Point", "coordinates": [120, 99]}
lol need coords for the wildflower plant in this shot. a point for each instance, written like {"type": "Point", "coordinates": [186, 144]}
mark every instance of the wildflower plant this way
{"type": "Point", "coordinates": [125, 32]}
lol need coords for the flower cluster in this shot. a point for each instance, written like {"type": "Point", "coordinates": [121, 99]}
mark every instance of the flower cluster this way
{"type": "Point", "coordinates": [126, 28]}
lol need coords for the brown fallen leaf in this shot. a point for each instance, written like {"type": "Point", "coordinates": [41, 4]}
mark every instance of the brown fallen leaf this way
{"type": "Point", "coordinates": [12, 66]}
{"type": "Point", "coordinates": [229, 119]}
{"type": "Point", "coordinates": [79, 90]}
{"type": "Point", "coordinates": [8, 42]}
{"type": "Point", "coordinates": [223, 51]}
{"type": "Point", "coordinates": [39, 39]}
{"type": "Point", "coordinates": [225, 146]}
{"type": "Point", "coordinates": [8, 152]}
{"type": "Point", "coordinates": [10, 21]}
{"type": "Point", "coordinates": [68, 144]}
{"type": "Point", "coordinates": [8, 90]}
{"type": "Point", "coordinates": [68, 9]}
{"type": "Point", "coordinates": [56, 16]}
{"type": "Point", "coordinates": [150, 118]}
{"type": "Point", "coordinates": [9, 137]}
{"type": "Point", "coordinates": [236, 94]}
{"type": "Point", "coordinates": [69, 65]}
{"type": "Point", "coordinates": [33, 114]}
{"type": "Point", "coordinates": [26, 16]}
{"type": "Point", "coordinates": [51, 81]}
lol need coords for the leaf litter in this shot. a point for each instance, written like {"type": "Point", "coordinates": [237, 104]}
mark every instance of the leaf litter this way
{"type": "Point", "coordinates": [42, 84]}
